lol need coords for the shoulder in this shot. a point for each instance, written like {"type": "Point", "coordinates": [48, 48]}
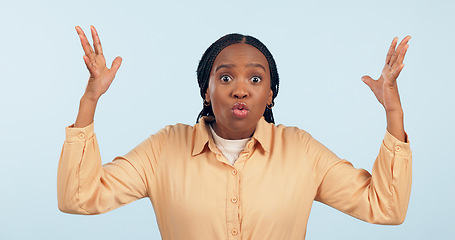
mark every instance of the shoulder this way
{"type": "Point", "coordinates": [178, 130]}
{"type": "Point", "coordinates": [290, 132]}
{"type": "Point", "coordinates": [303, 142]}
{"type": "Point", "coordinates": [179, 127]}
{"type": "Point", "coordinates": [168, 136]}
{"type": "Point", "coordinates": [280, 136]}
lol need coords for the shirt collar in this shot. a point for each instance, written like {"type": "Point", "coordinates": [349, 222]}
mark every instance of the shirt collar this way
{"type": "Point", "coordinates": [202, 135]}
{"type": "Point", "coordinates": [263, 134]}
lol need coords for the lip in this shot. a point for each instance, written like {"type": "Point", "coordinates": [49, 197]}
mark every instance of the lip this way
{"type": "Point", "coordinates": [240, 106]}
{"type": "Point", "coordinates": [240, 110]}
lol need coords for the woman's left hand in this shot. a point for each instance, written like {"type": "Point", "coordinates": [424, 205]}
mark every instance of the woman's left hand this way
{"type": "Point", "coordinates": [385, 88]}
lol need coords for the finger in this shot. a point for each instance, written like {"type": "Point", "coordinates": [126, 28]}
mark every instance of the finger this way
{"type": "Point", "coordinates": [405, 40]}
{"type": "Point", "coordinates": [400, 58]}
{"type": "Point", "coordinates": [397, 52]}
{"type": "Point", "coordinates": [116, 65]}
{"type": "Point", "coordinates": [403, 44]}
{"type": "Point", "coordinates": [397, 72]}
{"type": "Point", "coordinates": [96, 41]}
{"type": "Point", "coordinates": [391, 50]}
{"type": "Point", "coordinates": [84, 42]}
{"type": "Point", "coordinates": [88, 63]}
{"type": "Point", "coordinates": [392, 75]}
{"type": "Point", "coordinates": [369, 81]}
{"type": "Point", "coordinates": [394, 56]}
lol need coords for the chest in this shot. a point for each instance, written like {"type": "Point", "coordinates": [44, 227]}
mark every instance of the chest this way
{"type": "Point", "coordinates": [258, 186]}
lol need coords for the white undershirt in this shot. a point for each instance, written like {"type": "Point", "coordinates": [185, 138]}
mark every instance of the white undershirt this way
{"type": "Point", "coordinates": [229, 148]}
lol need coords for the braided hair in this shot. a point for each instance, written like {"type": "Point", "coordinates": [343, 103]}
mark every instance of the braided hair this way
{"type": "Point", "coordinates": [205, 67]}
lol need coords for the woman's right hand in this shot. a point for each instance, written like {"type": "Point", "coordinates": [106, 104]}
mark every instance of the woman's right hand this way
{"type": "Point", "coordinates": [101, 77]}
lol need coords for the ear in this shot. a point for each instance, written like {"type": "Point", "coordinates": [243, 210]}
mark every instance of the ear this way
{"type": "Point", "coordinates": [207, 96]}
{"type": "Point", "coordinates": [269, 101]}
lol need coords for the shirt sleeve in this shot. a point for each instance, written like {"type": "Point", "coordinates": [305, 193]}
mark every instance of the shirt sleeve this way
{"type": "Point", "coordinates": [381, 197]}
{"type": "Point", "coordinates": [85, 186]}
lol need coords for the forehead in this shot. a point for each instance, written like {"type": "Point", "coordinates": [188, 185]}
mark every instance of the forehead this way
{"type": "Point", "coordinates": [240, 54]}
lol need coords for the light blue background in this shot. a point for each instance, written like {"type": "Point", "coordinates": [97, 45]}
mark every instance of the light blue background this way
{"type": "Point", "coordinates": [322, 49]}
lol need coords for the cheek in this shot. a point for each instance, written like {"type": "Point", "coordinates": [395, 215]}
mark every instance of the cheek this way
{"type": "Point", "coordinates": [210, 89]}
{"type": "Point", "coordinates": [266, 93]}
{"type": "Point", "coordinates": [215, 94]}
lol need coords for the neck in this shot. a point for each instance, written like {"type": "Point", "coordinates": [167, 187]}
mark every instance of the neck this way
{"type": "Point", "coordinates": [232, 135]}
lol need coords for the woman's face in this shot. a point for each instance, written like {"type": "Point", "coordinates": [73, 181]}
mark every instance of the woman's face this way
{"type": "Point", "coordinates": [239, 90]}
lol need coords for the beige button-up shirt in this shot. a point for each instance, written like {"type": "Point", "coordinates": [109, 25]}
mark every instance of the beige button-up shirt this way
{"type": "Point", "coordinates": [267, 194]}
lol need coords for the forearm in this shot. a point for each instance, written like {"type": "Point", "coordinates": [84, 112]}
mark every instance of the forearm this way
{"type": "Point", "coordinates": [381, 197]}
{"type": "Point", "coordinates": [86, 112]}
{"type": "Point", "coordinates": [80, 144]}
{"type": "Point", "coordinates": [395, 124]}
{"type": "Point", "coordinates": [85, 186]}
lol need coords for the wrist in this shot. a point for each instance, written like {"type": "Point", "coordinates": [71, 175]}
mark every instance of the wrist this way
{"type": "Point", "coordinates": [87, 99]}
{"type": "Point", "coordinates": [395, 124]}
{"type": "Point", "coordinates": [86, 113]}
{"type": "Point", "coordinates": [395, 113]}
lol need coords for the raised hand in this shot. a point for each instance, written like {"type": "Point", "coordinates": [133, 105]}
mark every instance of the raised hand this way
{"type": "Point", "coordinates": [385, 88]}
{"type": "Point", "coordinates": [101, 77]}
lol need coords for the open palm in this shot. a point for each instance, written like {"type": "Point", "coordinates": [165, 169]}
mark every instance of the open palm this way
{"type": "Point", "coordinates": [385, 88]}
{"type": "Point", "coordinates": [101, 77]}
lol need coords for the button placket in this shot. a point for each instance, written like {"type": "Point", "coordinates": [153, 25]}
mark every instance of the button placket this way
{"type": "Point", "coordinates": [232, 206]}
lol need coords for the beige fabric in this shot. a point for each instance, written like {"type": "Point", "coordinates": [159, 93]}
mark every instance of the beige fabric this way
{"type": "Point", "coordinates": [229, 148]}
{"type": "Point", "coordinates": [267, 194]}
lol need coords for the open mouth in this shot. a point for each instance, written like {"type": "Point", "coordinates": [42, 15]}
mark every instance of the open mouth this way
{"type": "Point", "coordinates": [240, 110]}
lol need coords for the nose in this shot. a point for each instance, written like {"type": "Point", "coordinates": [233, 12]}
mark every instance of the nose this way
{"type": "Point", "coordinates": [240, 90]}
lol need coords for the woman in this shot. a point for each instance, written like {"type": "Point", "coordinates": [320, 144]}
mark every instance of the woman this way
{"type": "Point", "coordinates": [235, 174]}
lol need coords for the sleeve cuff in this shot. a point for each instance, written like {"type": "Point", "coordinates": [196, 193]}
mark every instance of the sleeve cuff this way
{"type": "Point", "coordinates": [396, 146]}
{"type": "Point", "coordinates": [79, 134]}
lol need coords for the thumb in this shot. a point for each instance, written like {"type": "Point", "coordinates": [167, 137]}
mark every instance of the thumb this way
{"type": "Point", "coordinates": [116, 64]}
{"type": "Point", "coordinates": [368, 81]}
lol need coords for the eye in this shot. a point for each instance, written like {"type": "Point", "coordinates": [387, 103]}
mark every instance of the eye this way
{"type": "Point", "coordinates": [225, 78]}
{"type": "Point", "coordinates": [256, 79]}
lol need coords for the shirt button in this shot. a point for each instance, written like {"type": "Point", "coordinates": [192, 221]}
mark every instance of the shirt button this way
{"type": "Point", "coordinates": [234, 199]}
{"type": "Point", "coordinates": [250, 145]}
{"type": "Point", "coordinates": [81, 135]}
{"type": "Point", "coordinates": [234, 172]}
{"type": "Point", "coordinates": [397, 148]}
{"type": "Point", "coordinates": [234, 232]}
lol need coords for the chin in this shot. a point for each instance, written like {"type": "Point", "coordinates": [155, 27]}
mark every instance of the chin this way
{"type": "Point", "coordinates": [244, 123]}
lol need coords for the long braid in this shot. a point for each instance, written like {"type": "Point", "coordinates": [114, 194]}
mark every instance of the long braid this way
{"type": "Point", "coordinates": [208, 58]}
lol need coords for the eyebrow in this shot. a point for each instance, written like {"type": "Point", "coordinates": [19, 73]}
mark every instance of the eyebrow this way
{"type": "Point", "coordinates": [225, 66]}
{"type": "Point", "coordinates": [233, 65]}
{"type": "Point", "coordinates": [256, 65]}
